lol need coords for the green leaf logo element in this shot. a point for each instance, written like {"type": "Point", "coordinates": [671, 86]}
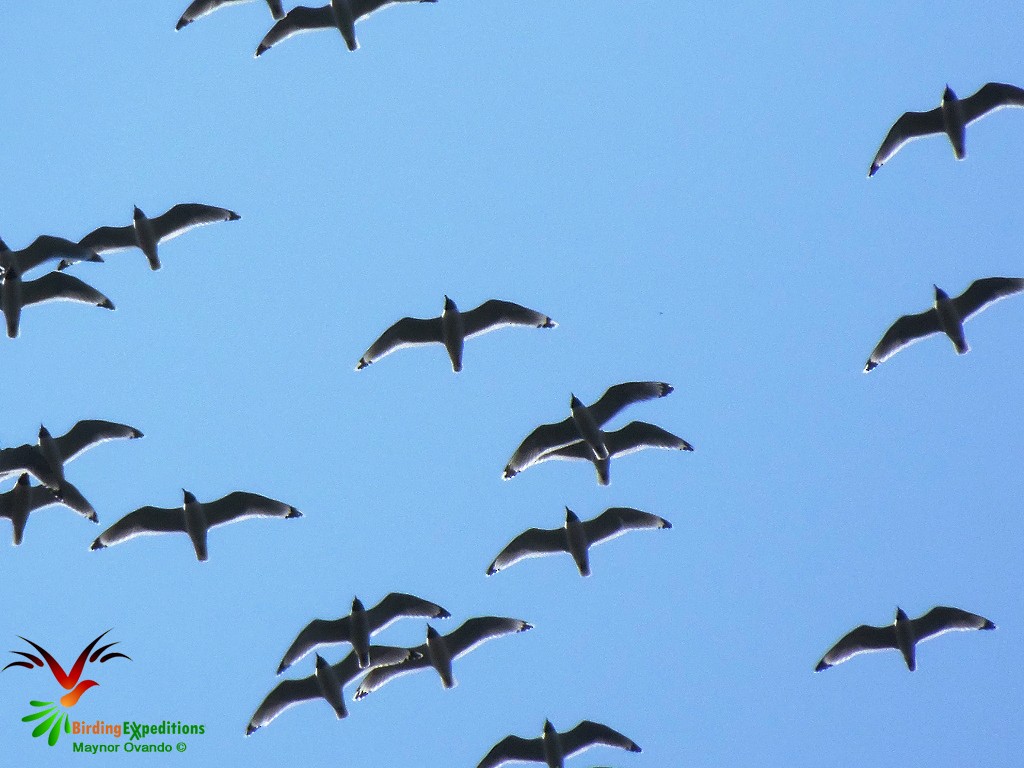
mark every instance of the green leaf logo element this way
{"type": "Point", "coordinates": [52, 723]}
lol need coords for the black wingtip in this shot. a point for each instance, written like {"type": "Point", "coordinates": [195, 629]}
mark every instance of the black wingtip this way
{"type": "Point", "coordinates": [988, 625]}
{"type": "Point", "coordinates": [442, 614]}
{"type": "Point", "coordinates": [665, 523]}
{"type": "Point", "coordinates": [106, 304]}
{"type": "Point", "coordinates": [869, 366]}
{"type": "Point", "coordinates": [666, 389]}
{"type": "Point", "coordinates": [97, 545]}
{"type": "Point", "coordinates": [182, 23]}
{"type": "Point", "coordinates": [363, 362]}
{"type": "Point", "coordinates": [292, 512]}
{"type": "Point", "coordinates": [261, 49]}
{"type": "Point", "coordinates": [821, 665]}
{"type": "Point", "coordinates": [525, 627]}
{"type": "Point", "coordinates": [873, 170]}
{"type": "Point", "coordinates": [250, 729]}
{"type": "Point", "coordinates": [634, 747]}
{"type": "Point", "coordinates": [548, 323]}
{"type": "Point", "coordinates": [509, 473]}
{"type": "Point", "coordinates": [232, 216]}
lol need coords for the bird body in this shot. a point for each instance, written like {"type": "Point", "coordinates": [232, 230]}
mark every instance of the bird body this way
{"type": "Point", "coordinates": [440, 657]}
{"type": "Point", "coordinates": [587, 428]}
{"type": "Point", "coordinates": [329, 685]}
{"type": "Point", "coordinates": [948, 316]}
{"type": "Point", "coordinates": [23, 499]}
{"type": "Point", "coordinates": [951, 117]}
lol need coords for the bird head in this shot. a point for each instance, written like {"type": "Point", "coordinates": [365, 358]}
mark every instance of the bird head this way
{"type": "Point", "coordinates": [948, 95]}
{"type": "Point", "coordinates": [189, 496]}
{"type": "Point", "coordinates": [570, 516]}
{"type": "Point", "coordinates": [357, 605]}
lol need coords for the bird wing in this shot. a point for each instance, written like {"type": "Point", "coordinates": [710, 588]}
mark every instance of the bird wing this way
{"type": "Point", "coordinates": [108, 239]}
{"type": "Point", "coordinates": [73, 499]}
{"type": "Point", "coordinates": [380, 676]}
{"type": "Point", "coordinates": [26, 458]}
{"type": "Point", "coordinates": [318, 632]}
{"type": "Point", "coordinates": [864, 639]}
{"type": "Point", "coordinates": [299, 19]}
{"type": "Point", "coordinates": [476, 631]}
{"type": "Point", "coordinates": [142, 522]}
{"type": "Point", "coordinates": [535, 542]}
{"type": "Point", "coordinates": [58, 286]}
{"type": "Point", "coordinates": [912, 125]}
{"type": "Point", "coordinates": [242, 505]}
{"type": "Point", "coordinates": [201, 8]}
{"type": "Point", "coordinates": [588, 734]}
{"type": "Point", "coordinates": [407, 332]}
{"type": "Point", "coordinates": [638, 435]}
{"type": "Point", "coordinates": [615, 521]}
{"type": "Point", "coordinates": [90, 432]}
{"type": "Point", "coordinates": [276, 9]}
{"type": "Point", "coordinates": [363, 8]}
{"type": "Point", "coordinates": [982, 293]}
{"type": "Point", "coordinates": [286, 694]}
{"type": "Point", "coordinates": [39, 496]}
{"type": "Point", "coordinates": [619, 396]}
{"type": "Point", "coordinates": [398, 605]}
{"type": "Point", "coordinates": [496, 313]}
{"type": "Point", "coordinates": [47, 247]}
{"type": "Point", "coordinates": [904, 332]}
{"type": "Point", "coordinates": [514, 749]}
{"type": "Point", "coordinates": [990, 97]}
{"type": "Point", "coordinates": [540, 442]}
{"type": "Point", "coordinates": [941, 619]}
{"type": "Point", "coordinates": [185, 216]}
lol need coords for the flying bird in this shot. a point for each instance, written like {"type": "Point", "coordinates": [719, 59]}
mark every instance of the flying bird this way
{"type": "Point", "coordinates": [452, 328]}
{"type": "Point", "coordinates": [328, 682]}
{"type": "Point", "coordinates": [583, 423]}
{"type": "Point", "coordinates": [145, 233]}
{"type": "Point", "coordinates": [194, 518]}
{"type": "Point", "coordinates": [44, 248]}
{"type": "Point", "coordinates": [439, 651]}
{"type": "Point", "coordinates": [633, 437]}
{"type": "Point", "coordinates": [948, 315]}
{"type": "Point", "coordinates": [553, 747]}
{"type": "Point", "coordinates": [357, 627]}
{"type": "Point", "coordinates": [575, 537]}
{"type": "Point", "coordinates": [340, 14]}
{"type": "Point", "coordinates": [902, 635]}
{"type": "Point", "coordinates": [23, 499]}
{"type": "Point", "coordinates": [951, 117]}
{"type": "Point", "coordinates": [16, 294]}
{"type": "Point", "coordinates": [45, 461]}
{"type": "Point", "coordinates": [201, 8]}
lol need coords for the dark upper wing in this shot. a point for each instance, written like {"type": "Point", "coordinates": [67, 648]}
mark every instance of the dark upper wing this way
{"type": "Point", "coordinates": [200, 8]}
{"type": "Point", "coordinates": [407, 332]}
{"type": "Point", "coordinates": [616, 521]}
{"type": "Point", "coordinates": [89, 432]}
{"type": "Point", "coordinates": [588, 734]}
{"type": "Point", "coordinates": [990, 97]}
{"type": "Point", "coordinates": [380, 676]}
{"type": "Point", "coordinates": [27, 458]}
{"type": "Point", "coordinates": [47, 247]}
{"type": "Point", "coordinates": [621, 395]}
{"type": "Point", "coordinates": [318, 632]}
{"type": "Point", "coordinates": [513, 748]}
{"type": "Point", "coordinates": [535, 542]}
{"type": "Point", "coordinates": [397, 605]}
{"type": "Point", "coordinates": [142, 522]}
{"type": "Point", "coordinates": [638, 435]}
{"type": "Point", "coordinates": [275, 8]}
{"type": "Point", "coordinates": [242, 505]}
{"type": "Point", "coordinates": [941, 619]}
{"type": "Point", "coordinates": [185, 216]}
{"type": "Point", "coordinates": [107, 239]}
{"type": "Point", "coordinates": [495, 314]}
{"type": "Point", "coordinates": [863, 639]}
{"type": "Point", "coordinates": [288, 693]}
{"type": "Point", "coordinates": [299, 19]}
{"type": "Point", "coordinates": [545, 438]}
{"type": "Point", "coordinates": [479, 630]}
{"type": "Point", "coordinates": [58, 286]}
{"type": "Point", "coordinates": [913, 125]}
{"type": "Point", "coordinates": [902, 333]}
{"type": "Point", "coordinates": [982, 293]}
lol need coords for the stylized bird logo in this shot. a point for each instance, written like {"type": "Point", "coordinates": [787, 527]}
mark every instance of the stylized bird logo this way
{"type": "Point", "coordinates": [71, 681]}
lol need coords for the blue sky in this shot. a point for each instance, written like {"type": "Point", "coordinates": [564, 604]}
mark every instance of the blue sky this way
{"type": "Point", "coordinates": [683, 189]}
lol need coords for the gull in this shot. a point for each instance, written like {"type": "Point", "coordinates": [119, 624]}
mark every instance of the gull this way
{"type": "Point", "coordinates": [201, 8]}
{"type": "Point", "coordinates": [45, 461]}
{"type": "Point", "coordinates": [575, 537]}
{"type": "Point", "coordinates": [357, 627]}
{"type": "Point", "coordinates": [951, 117]}
{"type": "Point", "coordinates": [583, 422]}
{"type": "Point", "coordinates": [44, 248]}
{"type": "Point", "coordinates": [16, 294]}
{"type": "Point", "coordinates": [23, 499]}
{"type": "Point", "coordinates": [948, 315]}
{"type": "Point", "coordinates": [633, 437]}
{"type": "Point", "coordinates": [902, 635]}
{"type": "Point", "coordinates": [194, 518]}
{"type": "Point", "coordinates": [340, 14]}
{"type": "Point", "coordinates": [452, 328]}
{"type": "Point", "coordinates": [439, 651]}
{"type": "Point", "coordinates": [328, 682]}
{"type": "Point", "coordinates": [145, 232]}
{"type": "Point", "coordinates": [553, 747]}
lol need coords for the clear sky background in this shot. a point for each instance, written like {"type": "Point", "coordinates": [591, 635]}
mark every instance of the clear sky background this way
{"type": "Point", "coordinates": [683, 188]}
